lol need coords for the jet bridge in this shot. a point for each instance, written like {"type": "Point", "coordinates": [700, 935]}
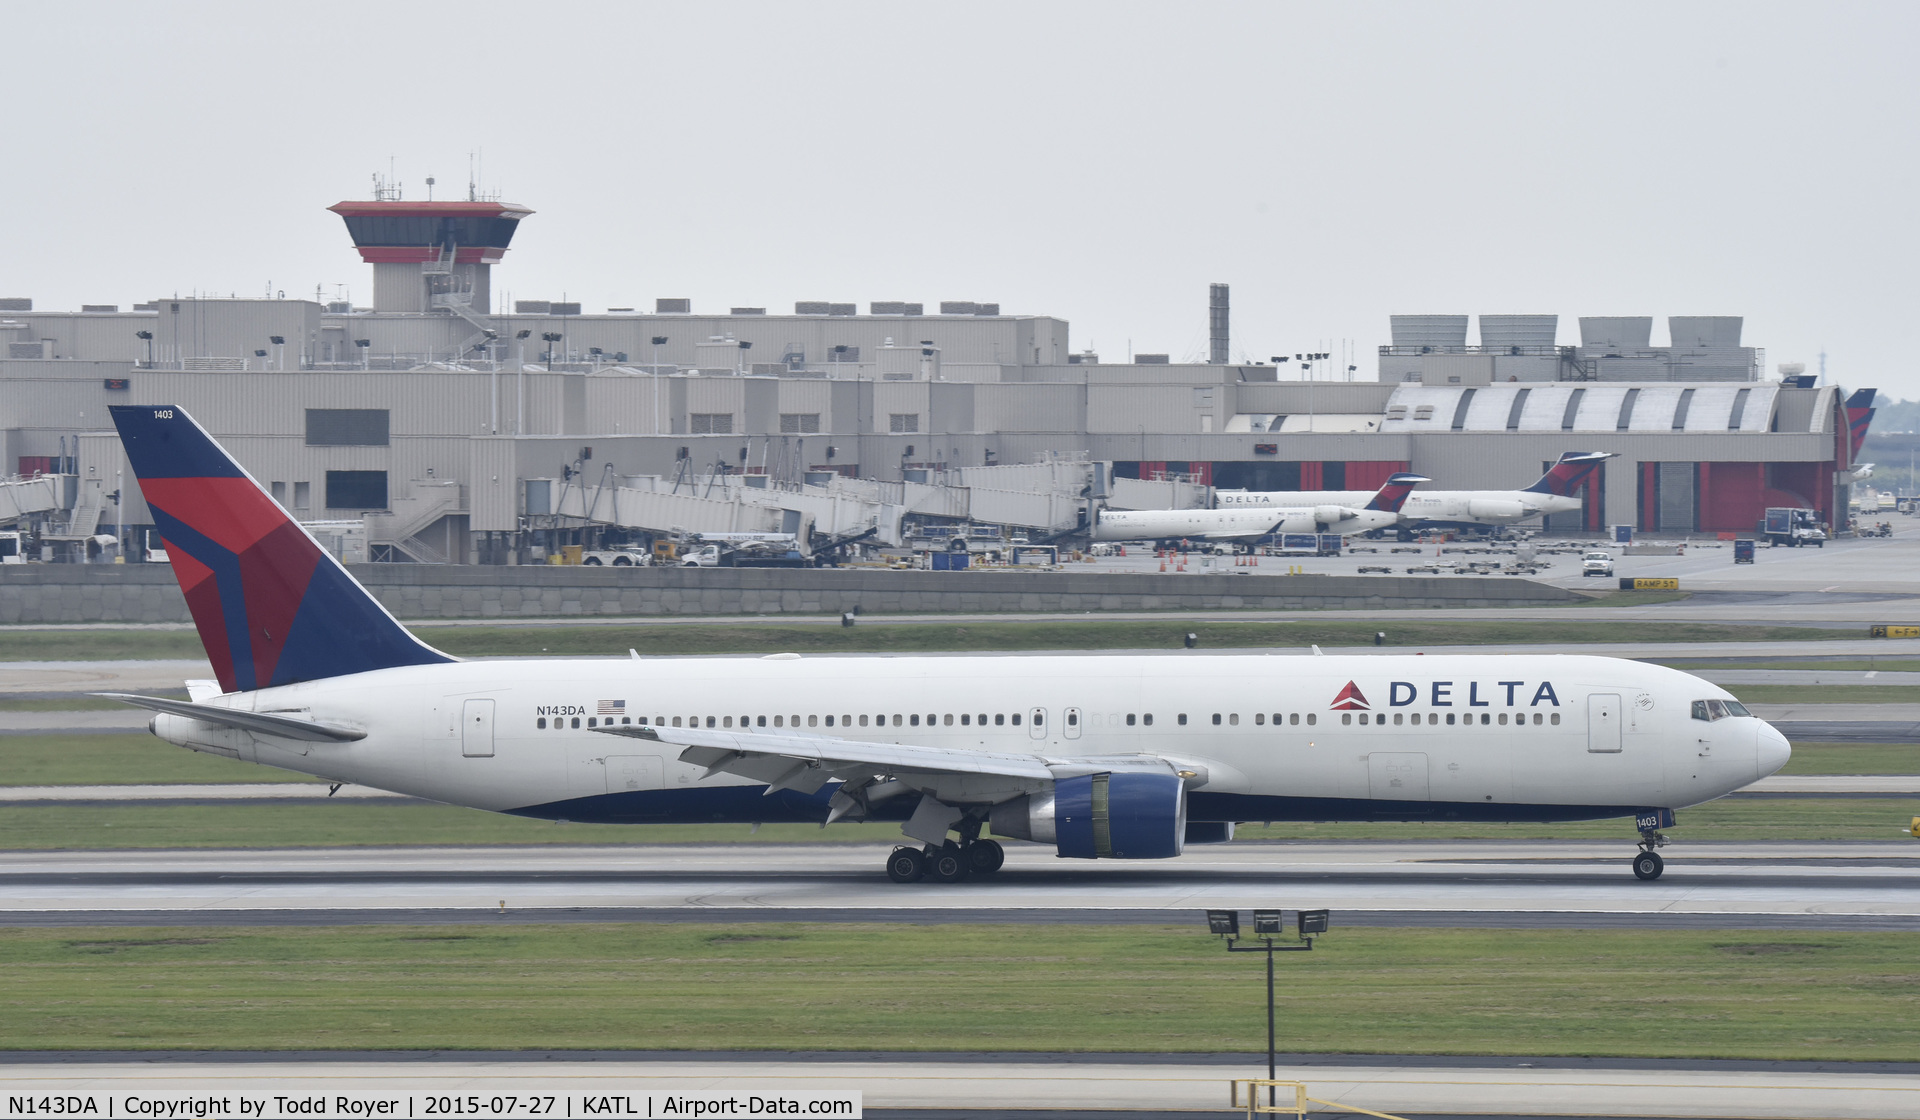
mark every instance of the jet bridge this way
{"type": "Point", "coordinates": [735, 503]}
{"type": "Point", "coordinates": [24, 497]}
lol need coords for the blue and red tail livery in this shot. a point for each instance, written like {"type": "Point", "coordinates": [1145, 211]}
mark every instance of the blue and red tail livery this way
{"type": "Point", "coordinates": [1393, 494]}
{"type": "Point", "coordinates": [271, 605]}
{"type": "Point", "coordinates": [1859, 416]}
{"type": "Point", "coordinates": [1567, 475]}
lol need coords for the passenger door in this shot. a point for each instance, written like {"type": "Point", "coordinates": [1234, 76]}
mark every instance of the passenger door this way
{"type": "Point", "coordinates": [1037, 723]}
{"type": "Point", "coordinates": [1070, 723]}
{"type": "Point", "coordinates": [1397, 776]}
{"type": "Point", "coordinates": [476, 728]}
{"type": "Point", "coordinates": [1603, 723]}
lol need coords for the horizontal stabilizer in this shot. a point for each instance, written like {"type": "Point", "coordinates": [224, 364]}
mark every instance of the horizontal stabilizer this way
{"type": "Point", "coordinates": [276, 724]}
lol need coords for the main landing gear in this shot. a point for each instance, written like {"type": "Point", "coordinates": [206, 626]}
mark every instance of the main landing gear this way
{"type": "Point", "coordinates": [950, 862]}
{"type": "Point", "coordinates": [1647, 864]}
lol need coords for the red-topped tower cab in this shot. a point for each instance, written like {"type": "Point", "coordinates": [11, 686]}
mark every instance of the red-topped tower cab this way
{"type": "Point", "coordinates": [431, 256]}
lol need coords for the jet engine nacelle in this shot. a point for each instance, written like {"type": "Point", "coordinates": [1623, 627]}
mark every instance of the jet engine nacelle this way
{"type": "Point", "coordinates": [1329, 515]}
{"type": "Point", "coordinates": [1102, 816]}
{"type": "Point", "coordinates": [1492, 509]}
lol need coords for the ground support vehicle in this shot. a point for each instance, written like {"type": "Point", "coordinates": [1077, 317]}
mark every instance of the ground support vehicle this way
{"type": "Point", "coordinates": [1785, 525]}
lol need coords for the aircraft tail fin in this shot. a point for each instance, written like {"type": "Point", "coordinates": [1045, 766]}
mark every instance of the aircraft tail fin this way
{"type": "Point", "coordinates": [271, 605]}
{"type": "Point", "coordinates": [1860, 412]}
{"type": "Point", "coordinates": [1566, 476]}
{"type": "Point", "coordinates": [1393, 493]}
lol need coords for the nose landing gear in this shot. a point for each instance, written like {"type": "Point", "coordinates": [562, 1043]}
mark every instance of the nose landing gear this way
{"type": "Point", "coordinates": [1647, 864]}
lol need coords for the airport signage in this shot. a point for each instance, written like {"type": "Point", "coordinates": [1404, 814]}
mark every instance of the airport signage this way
{"type": "Point", "coordinates": [1631, 584]}
{"type": "Point", "coordinates": [1894, 631]}
{"type": "Point", "coordinates": [305, 1104]}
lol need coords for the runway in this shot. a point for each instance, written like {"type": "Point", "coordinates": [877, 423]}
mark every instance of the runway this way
{"type": "Point", "coordinates": [1083, 1085]}
{"type": "Point", "coordinates": [1558, 883]}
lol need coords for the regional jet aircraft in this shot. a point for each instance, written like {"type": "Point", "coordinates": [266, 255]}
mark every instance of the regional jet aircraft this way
{"type": "Point", "coordinates": [1357, 512]}
{"type": "Point", "coordinates": [1097, 757]}
{"type": "Point", "coordinates": [1555, 492]}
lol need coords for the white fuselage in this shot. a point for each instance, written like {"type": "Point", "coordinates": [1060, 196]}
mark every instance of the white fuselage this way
{"type": "Point", "coordinates": [1490, 737]}
{"type": "Point", "coordinates": [1466, 507]}
{"type": "Point", "coordinates": [1239, 523]}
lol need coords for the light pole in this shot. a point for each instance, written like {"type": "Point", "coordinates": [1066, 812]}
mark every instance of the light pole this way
{"type": "Point", "coordinates": [1268, 924]}
{"type": "Point", "coordinates": [520, 383]}
{"type": "Point", "coordinates": [659, 340]}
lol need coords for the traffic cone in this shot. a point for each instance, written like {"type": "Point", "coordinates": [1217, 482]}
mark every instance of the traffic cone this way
{"type": "Point", "coordinates": [1163, 564]}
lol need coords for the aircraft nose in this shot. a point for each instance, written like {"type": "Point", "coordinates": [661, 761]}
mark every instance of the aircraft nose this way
{"type": "Point", "coordinates": [1774, 750]}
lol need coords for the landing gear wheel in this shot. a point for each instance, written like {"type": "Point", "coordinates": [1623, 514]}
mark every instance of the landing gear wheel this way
{"type": "Point", "coordinates": [906, 865]}
{"type": "Point", "coordinates": [948, 864]}
{"type": "Point", "coordinates": [984, 857]}
{"type": "Point", "coordinates": [1648, 865]}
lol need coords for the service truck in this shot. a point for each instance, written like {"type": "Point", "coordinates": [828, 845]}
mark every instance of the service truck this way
{"type": "Point", "coordinates": [1785, 525]}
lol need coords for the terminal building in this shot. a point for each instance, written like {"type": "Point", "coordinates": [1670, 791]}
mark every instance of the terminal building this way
{"type": "Point", "coordinates": [462, 430]}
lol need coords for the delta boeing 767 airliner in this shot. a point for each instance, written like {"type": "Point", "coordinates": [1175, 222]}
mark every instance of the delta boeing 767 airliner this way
{"type": "Point", "coordinates": [1100, 757]}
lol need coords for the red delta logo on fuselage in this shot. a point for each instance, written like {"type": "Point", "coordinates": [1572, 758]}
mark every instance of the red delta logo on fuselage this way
{"type": "Point", "coordinates": [1351, 699]}
{"type": "Point", "coordinates": [1448, 694]}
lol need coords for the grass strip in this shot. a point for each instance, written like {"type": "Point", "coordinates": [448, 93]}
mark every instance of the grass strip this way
{"type": "Point", "coordinates": [111, 760]}
{"type": "Point", "coordinates": [777, 637]}
{"type": "Point", "coordinates": [667, 638]}
{"type": "Point", "coordinates": [1889, 665]}
{"type": "Point", "coordinates": [100, 645]}
{"type": "Point", "coordinates": [1854, 758]}
{"type": "Point", "coordinates": [1703, 994]}
{"type": "Point", "coordinates": [1826, 693]}
{"type": "Point", "coordinates": [68, 704]}
{"type": "Point", "coordinates": [375, 823]}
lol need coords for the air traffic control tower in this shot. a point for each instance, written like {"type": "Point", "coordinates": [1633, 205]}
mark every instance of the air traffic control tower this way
{"type": "Point", "coordinates": [431, 256]}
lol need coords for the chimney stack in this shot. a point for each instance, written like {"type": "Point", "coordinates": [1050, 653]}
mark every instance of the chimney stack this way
{"type": "Point", "coordinates": [1217, 325]}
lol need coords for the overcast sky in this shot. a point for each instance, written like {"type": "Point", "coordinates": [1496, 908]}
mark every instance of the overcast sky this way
{"type": "Point", "coordinates": [1101, 162]}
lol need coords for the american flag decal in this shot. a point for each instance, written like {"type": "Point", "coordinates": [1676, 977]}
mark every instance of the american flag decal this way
{"type": "Point", "coordinates": [613, 707]}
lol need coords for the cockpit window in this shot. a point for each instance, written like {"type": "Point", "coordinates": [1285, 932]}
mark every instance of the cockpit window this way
{"type": "Point", "coordinates": [1718, 709]}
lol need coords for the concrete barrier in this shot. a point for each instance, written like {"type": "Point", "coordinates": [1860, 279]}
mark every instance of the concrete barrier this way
{"type": "Point", "coordinates": [147, 593]}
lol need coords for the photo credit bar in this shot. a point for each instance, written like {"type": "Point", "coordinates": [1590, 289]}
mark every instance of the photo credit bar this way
{"type": "Point", "coordinates": [253, 1104]}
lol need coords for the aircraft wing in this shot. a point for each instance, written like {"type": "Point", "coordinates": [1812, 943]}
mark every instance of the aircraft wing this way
{"type": "Point", "coordinates": [803, 761]}
{"type": "Point", "coordinates": [284, 725]}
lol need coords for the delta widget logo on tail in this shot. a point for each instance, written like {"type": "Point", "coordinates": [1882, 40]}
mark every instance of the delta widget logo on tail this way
{"type": "Point", "coordinates": [1351, 699]}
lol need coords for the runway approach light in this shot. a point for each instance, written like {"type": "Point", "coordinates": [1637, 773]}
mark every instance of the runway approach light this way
{"type": "Point", "coordinates": [1269, 923]}
{"type": "Point", "coordinates": [1224, 923]}
{"type": "Point", "coordinates": [1314, 921]}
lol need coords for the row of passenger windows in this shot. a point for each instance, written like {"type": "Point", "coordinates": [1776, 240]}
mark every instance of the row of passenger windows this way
{"type": "Point", "coordinates": [968, 719]}
{"type": "Point", "coordinates": [1433, 718]}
